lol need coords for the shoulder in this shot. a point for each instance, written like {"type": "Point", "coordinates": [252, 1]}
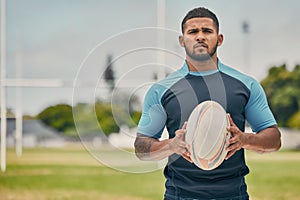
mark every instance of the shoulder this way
{"type": "Point", "coordinates": [158, 89]}
{"type": "Point", "coordinates": [249, 82]}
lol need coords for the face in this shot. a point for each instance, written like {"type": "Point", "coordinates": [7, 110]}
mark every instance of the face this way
{"type": "Point", "coordinates": [200, 39]}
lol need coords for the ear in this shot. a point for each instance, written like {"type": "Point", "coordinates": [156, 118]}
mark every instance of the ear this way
{"type": "Point", "coordinates": [220, 39]}
{"type": "Point", "coordinates": [181, 40]}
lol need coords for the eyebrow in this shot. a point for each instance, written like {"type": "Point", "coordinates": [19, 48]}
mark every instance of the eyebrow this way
{"type": "Point", "coordinates": [191, 29]}
{"type": "Point", "coordinates": [195, 27]}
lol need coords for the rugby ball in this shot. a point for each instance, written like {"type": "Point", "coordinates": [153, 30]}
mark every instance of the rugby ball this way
{"type": "Point", "coordinates": [207, 135]}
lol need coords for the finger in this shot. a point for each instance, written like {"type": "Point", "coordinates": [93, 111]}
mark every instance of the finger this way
{"type": "Point", "coordinates": [229, 117]}
{"type": "Point", "coordinates": [230, 120]}
{"type": "Point", "coordinates": [188, 159]}
{"type": "Point", "coordinates": [229, 154]}
{"type": "Point", "coordinates": [232, 140]}
{"type": "Point", "coordinates": [184, 125]}
{"type": "Point", "coordinates": [188, 147]}
{"type": "Point", "coordinates": [187, 153]}
{"type": "Point", "coordinates": [181, 151]}
{"type": "Point", "coordinates": [178, 143]}
{"type": "Point", "coordinates": [232, 147]}
{"type": "Point", "coordinates": [183, 145]}
{"type": "Point", "coordinates": [187, 156]}
{"type": "Point", "coordinates": [180, 132]}
{"type": "Point", "coordinates": [180, 135]}
{"type": "Point", "coordinates": [234, 130]}
{"type": "Point", "coordinates": [183, 128]}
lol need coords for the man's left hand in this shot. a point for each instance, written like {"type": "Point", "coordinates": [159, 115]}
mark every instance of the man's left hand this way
{"type": "Point", "coordinates": [237, 140]}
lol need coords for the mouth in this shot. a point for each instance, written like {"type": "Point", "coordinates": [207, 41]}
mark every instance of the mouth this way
{"type": "Point", "coordinates": [200, 45]}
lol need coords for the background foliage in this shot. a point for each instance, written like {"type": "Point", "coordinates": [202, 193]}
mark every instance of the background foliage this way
{"type": "Point", "coordinates": [282, 88]}
{"type": "Point", "coordinates": [109, 118]}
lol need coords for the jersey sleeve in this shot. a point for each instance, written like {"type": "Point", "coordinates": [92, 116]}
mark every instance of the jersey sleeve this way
{"type": "Point", "coordinates": [153, 117]}
{"type": "Point", "coordinates": [258, 113]}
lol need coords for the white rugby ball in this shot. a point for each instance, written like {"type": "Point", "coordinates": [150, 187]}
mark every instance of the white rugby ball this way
{"type": "Point", "coordinates": [207, 135]}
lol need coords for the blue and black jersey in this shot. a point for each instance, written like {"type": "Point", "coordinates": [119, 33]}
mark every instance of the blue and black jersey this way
{"type": "Point", "coordinates": [169, 103]}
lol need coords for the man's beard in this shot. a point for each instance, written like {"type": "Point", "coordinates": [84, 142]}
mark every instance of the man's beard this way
{"type": "Point", "coordinates": [201, 57]}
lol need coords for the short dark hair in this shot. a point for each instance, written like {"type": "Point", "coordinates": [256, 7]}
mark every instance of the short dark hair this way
{"type": "Point", "coordinates": [200, 12]}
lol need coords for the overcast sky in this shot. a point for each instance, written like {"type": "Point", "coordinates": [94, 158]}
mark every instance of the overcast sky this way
{"type": "Point", "coordinates": [62, 39]}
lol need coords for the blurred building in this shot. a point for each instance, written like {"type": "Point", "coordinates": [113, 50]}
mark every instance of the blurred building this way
{"type": "Point", "coordinates": [35, 134]}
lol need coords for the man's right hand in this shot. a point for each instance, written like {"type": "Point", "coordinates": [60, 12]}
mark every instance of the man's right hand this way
{"type": "Point", "coordinates": [147, 148]}
{"type": "Point", "coordinates": [178, 144]}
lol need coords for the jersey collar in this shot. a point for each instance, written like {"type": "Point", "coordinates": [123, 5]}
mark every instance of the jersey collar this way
{"type": "Point", "coordinates": [185, 70]}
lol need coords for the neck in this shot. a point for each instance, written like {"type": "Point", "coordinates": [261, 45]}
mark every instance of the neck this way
{"type": "Point", "coordinates": [210, 64]}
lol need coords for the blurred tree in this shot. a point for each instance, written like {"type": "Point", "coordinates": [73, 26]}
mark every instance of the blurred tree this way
{"type": "Point", "coordinates": [59, 117]}
{"type": "Point", "coordinates": [294, 121]}
{"type": "Point", "coordinates": [101, 117]}
{"type": "Point", "coordinates": [109, 75]}
{"type": "Point", "coordinates": [85, 120]}
{"type": "Point", "coordinates": [283, 92]}
{"type": "Point", "coordinates": [105, 118]}
{"type": "Point", "coordinates": [112, 116]}
{"type": "Point", "coordinates": [284, 104]}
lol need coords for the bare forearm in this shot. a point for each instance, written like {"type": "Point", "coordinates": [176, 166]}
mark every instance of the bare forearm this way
{"type": "Point", "coordinates": [151, 148]}
{"type": "Point", "coordinates": [268, 140]}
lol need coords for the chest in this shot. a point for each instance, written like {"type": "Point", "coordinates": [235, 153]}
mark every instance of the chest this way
{"type": "Point", "coordinates": [182, 97]}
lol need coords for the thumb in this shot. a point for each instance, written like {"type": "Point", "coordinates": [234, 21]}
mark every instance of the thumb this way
{"type": "Point", "coordinates": [184, 125]}
{"type": "Point", "coordinates": [181, 132]}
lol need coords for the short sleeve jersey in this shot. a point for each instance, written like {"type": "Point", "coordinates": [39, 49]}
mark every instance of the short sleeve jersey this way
{"type": "Point", "coordinates": [169, 102]}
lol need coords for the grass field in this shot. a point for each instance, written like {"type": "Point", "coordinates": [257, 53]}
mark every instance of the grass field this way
{"type": "Point", "coordinates": [71, 173]}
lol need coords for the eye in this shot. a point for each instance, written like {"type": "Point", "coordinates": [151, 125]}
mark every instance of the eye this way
{"type": "Point", "coordinates": [207, 30]}
{"type": "Point", "coordinates": [192, 31]}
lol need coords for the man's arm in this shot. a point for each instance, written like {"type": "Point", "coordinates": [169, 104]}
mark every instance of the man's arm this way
{"type": "Point", "coordinates": [267, 140]}
{"type": "Point", "coordinates": [147, 148]}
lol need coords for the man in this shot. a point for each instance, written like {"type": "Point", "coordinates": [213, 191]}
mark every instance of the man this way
{"type": "Point", "coordinates": [170, 102]}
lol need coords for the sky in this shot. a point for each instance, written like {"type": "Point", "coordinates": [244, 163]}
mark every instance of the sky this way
{"type": "Point", "coordinates": [69, 40]}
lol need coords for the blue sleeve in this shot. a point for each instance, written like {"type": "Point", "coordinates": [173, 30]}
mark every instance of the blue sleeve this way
{"type": "Point", "coordinates": [258, 112]}
{"type": "Point", "coordinates": [153, 117]}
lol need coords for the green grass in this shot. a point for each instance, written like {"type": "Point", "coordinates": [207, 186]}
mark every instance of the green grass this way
{"type": "Point", "coordinates": [71, 173]}
{"type": "Point", "coordinates": [274, 176]}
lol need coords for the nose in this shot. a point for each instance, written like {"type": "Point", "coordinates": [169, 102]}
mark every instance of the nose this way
{"type": "Point", "coordinates": [200, 37]}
